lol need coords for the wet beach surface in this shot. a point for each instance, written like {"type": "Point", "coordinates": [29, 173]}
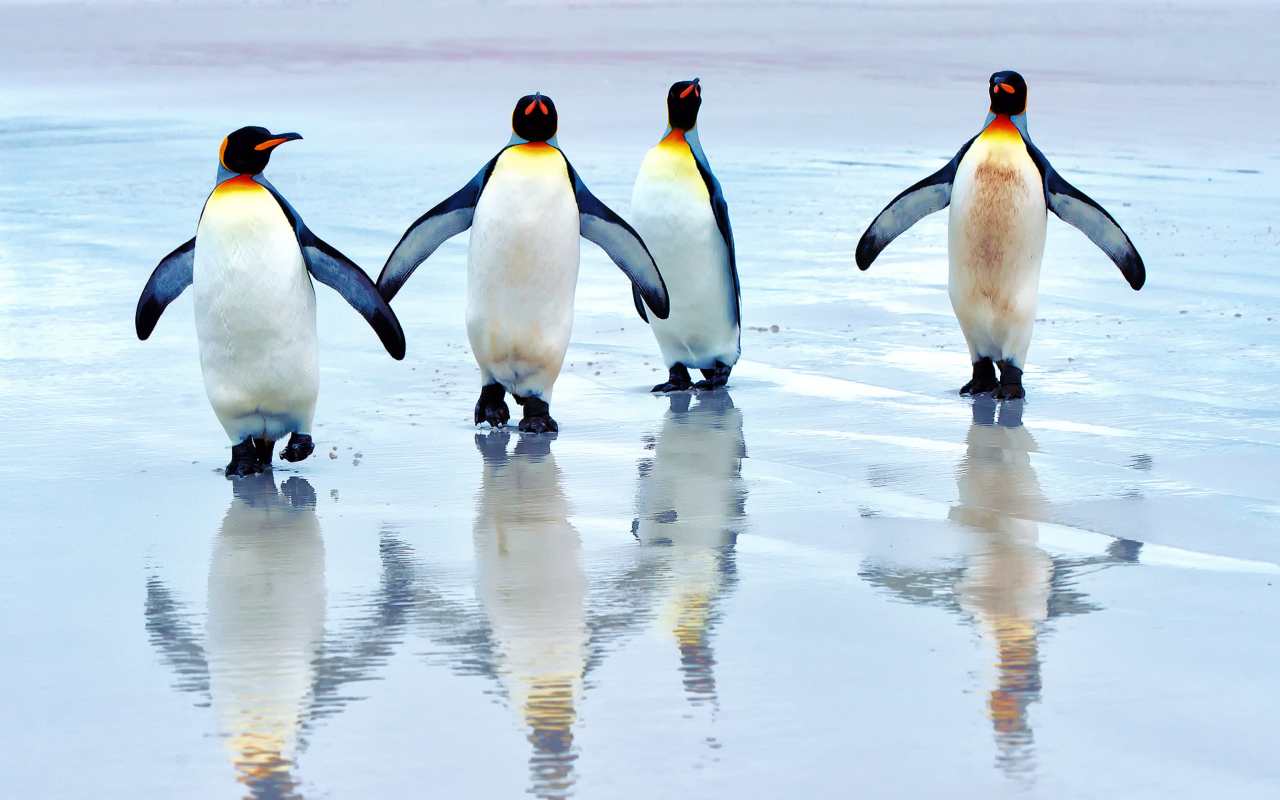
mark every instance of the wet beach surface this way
{"type": "Point", "coordinates": [837, 576]}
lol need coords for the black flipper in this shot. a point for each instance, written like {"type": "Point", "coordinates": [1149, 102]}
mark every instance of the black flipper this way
{"type": "Point", "coordinates": [170, 277]}
{"type": "Point", "coordinates": [341, 274]}
{"type": "Point", "coordinates": [721, 210]}
{"type": "Point", "coordinates": [639, 301]}
{"type": "Point", "coordinates": [919, 201]}
{"type": "Point", "coordinates": [1078, 210]}
{"type": "Point", "coordinates": [598, 224]}
{"type": "Point", "coordinates": [432, 229]}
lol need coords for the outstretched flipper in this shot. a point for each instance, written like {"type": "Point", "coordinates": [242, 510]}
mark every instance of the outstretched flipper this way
{"type": "Point", "coordinates": [919, 201]}
{"type": "Point", "coordinates": [1077, 209]}
{"type": "Point", "coordinates": [721, 210]}
{"type": "Point", "coordinates": [448, 219]}
{"type": "Point", "coordinates": [341, 274]}
{"type": "Point", "coordinates": [598, 224]}
{"type": "Point", "coordinates": [170, 277]}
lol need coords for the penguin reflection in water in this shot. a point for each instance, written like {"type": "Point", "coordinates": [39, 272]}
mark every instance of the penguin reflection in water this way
{"type": "Point", "coordinates": [266, 662]}
{"type": "Point", "coordinates": [1008, 586]}
{"type": "Point", "coordinates": [690, 504]}
{"type": "Point", "coordinates": [999, 186]}
{"type": "Point", "coordinates": [678, 207]}
{"type": "Point", "coordinates": [255, 306]}
{"type": "Point", "coordinates": [264, 631]}
{"type": "Point", "coordinates": [531, 584]}
{"type": "Point", "coordinates": [526, 210]}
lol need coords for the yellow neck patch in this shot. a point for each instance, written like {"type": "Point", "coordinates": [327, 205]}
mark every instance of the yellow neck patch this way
{"type": "Point", "coordinates": [672, 159]}
{"type": "Point", "coordinates": [1001, 130]}
{"type": "Point", "coordinates": [532, 158]}
{"type": "Point", "coordinates": [238, 185]}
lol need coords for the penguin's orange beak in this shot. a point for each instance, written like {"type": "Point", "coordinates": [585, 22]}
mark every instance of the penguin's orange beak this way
{"type": "Point", "coordinates": [279, 140]}
{"type": "Point", "coordinates": [1006, 87]}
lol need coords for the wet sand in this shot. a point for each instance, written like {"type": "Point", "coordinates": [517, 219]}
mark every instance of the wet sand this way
{"type": "Point", "coordinates": [835, 577]}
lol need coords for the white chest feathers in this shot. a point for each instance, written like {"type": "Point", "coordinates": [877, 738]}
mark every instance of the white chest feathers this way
{"type": "Point", "coordinates": [255, 312]}
{"type": "Point", "coordinates": [522, 269]}
{"type": "Point", "coordinates": [671, 210]}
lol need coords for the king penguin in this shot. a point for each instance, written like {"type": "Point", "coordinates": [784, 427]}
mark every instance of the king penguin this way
{"type": "Point", "coordinates": [255, 306]}
{"type": "Point", "coordinates": [1000, 188]}
{"type": "Point", "coordinates": [679, 209]}
{"type": "Point", "coordinates": [526, 210]}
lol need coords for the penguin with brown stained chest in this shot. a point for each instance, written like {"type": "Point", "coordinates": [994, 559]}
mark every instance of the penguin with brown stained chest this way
{"type": "Point", "coordinates": [1000, 188]}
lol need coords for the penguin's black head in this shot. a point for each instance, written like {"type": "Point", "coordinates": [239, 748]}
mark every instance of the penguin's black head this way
{"type": "Point", "coordinates": [248, 150]}
{"type": "Point", "coordinates": [535, 118]}
{"type": "Point", "coordinates": [1008, 93]}
{"type": "Point", "coordinates": [683, 101]}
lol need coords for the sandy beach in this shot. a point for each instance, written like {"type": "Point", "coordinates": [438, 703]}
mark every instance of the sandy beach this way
{"type": "Point", "coordinates": [836, 578]}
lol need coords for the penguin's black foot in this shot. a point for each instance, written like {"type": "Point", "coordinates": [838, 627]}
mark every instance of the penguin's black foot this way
{"type": "Point", "coordinates": [299, 447]}
{"type": "Point", "coordinates": [491, 407]}
{"type": "Point", "coordinates": [678, 380]}
{"type": "Point", "coordinates": [537, 416]}
{"type": "Point", "coordinates": [264, 448]}
{"type": "Point", "coordinates": [716, 378]}
{"type": "Point", "coordinates": [246, 459]}
{"type": "Point", "coordinates": [1010, 383]}
{"type": "Point", "coordinates": [984, 378]}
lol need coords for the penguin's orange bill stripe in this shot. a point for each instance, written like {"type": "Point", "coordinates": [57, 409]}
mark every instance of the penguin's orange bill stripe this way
{"type": "Point", "coordinates": [688, 89]}
{"type": "Point", "coordinates": [271, 143]}
{"type": "Point", "coordinates": [1006, 87]}
{"type": "Point", "coordinates": [535, 104]}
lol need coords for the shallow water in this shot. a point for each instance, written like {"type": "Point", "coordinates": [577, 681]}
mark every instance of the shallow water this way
{"type": "Point", "coordinates": [835, 577]}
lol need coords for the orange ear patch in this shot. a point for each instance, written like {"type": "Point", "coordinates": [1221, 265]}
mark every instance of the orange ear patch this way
{"type": "Point", "coordinates": [222, 152]}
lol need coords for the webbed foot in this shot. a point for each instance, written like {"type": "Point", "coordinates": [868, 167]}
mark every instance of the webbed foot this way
{"type": "Point", "coordinates": [678, 380]}
{"type": "Point", "coordinates": [299, 447]}
{"type": "Point", "coordinates": [1010, 383]}
{"type": "Point", "coordinates": [537, 416]}
{"type": "Point", "coordinates": [716, 378]}
{"type": "Point", "coordinates": [984, 378]}
{"type": "Point", "coordinates": [491, 407]}
{"type": "Point", "coordinates": [246, 459]}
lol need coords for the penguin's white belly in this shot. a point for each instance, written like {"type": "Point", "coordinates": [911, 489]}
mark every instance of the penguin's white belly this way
{"type": "Point", "coordinates": [255, 313]}
{"type": "Point", "coordinates": [995, 244]}
{"type": "Point", "coordinates": [522, 271]}
{"type": "Point", "coordinates": [671, 210]}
